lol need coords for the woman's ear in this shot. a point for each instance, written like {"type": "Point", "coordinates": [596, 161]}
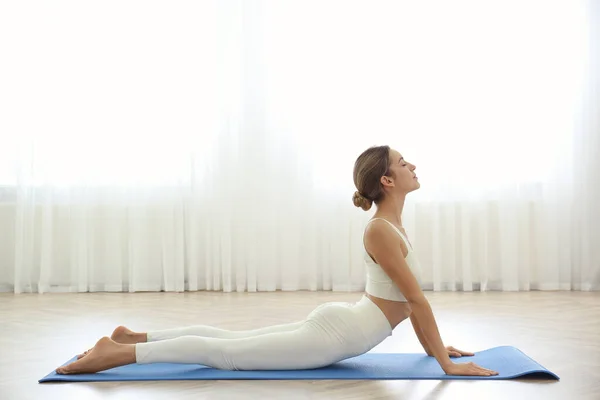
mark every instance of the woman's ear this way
{"type": "Point", "coordinates": [387, 181]}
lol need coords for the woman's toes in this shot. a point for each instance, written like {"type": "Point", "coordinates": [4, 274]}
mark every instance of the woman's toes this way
{"type": "Point", "coordinates": [106, 354]}
{"type": "Point", "coordinates": [85, 353]}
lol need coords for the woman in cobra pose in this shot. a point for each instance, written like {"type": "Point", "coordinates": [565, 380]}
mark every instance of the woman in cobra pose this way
{"type": "Point", "coordinates": [333, 331]}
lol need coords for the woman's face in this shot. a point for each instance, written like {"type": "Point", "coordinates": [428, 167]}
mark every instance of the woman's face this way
{"type": "Point", "coordinates": [402, 173]}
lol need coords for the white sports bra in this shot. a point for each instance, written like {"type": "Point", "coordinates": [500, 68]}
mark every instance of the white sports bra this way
{"type": "Point", "coordinates": [379, 284]}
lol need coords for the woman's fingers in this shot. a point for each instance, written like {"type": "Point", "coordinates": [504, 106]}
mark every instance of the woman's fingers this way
{"type": "Point", "coordinates": [488, 372]}
{"type": "Point", "coordinates": [482, 371]}
{"type": "Point", "coordinates": [464, 353]}
{"type": "Point", "coordinates": [469, 368]}
{"type": "Point", "coordinates": [461, 352]}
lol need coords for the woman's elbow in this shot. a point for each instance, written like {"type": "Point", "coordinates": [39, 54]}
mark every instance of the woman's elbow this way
{"type": "Point", "coordinates": [417, 301]}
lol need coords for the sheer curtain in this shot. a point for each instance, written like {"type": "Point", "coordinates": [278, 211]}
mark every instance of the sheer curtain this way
{"type": "Point", "coordinates": [209, 145]}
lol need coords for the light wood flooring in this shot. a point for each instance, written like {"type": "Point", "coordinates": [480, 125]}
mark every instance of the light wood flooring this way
{"type": "Point", "coordinates": [560, 330]}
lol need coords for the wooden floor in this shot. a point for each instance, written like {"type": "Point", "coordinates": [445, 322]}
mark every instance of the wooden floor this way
{"type": "Point", "coordinates": [560, 330]}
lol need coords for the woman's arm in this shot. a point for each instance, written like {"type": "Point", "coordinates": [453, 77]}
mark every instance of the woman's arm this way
{"type": "Point", "coordinates": [420, 335]}
{"type": "Point", "coordinates": [435, 347]}
{"type": "Point", "coordinates": [451, 350]}
{"type": "Point", "coordinates": [384, 245]}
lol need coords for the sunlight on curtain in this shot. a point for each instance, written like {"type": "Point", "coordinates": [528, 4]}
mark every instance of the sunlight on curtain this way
{"type": "Point", "coordinates": [477, 95]}
{"type": "Point", "coordinates": [118, 93]}
{"type": "Point", "coordinates": [210, 145]}
{"type": "Point", "coordinates": [469, 85]}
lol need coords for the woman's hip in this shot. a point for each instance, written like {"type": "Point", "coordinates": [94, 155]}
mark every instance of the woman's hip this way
{"type": "Point", "coordinates": [361, 325]}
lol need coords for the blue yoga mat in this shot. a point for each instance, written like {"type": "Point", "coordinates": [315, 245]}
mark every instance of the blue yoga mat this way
{"type": "Point", "coordinates": [509, 361]}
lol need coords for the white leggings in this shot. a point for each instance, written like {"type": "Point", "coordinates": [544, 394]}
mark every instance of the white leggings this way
{"type": "Point", "coordinates": [331, 333]}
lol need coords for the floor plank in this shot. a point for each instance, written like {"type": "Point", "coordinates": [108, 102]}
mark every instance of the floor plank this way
{"type": "Point", "coordinates": [560, 330]}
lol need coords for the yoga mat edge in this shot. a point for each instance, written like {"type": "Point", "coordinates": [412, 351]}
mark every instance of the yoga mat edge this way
{"type": "Point", "coordinates": [510, 362]}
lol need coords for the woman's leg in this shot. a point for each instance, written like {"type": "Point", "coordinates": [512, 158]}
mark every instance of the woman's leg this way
{"type": "Point", "coordinates": [123, 335]}
{"type": "Point", "coordinates": [330, 334]}
{"type": "Point", "coordinates": [217, 333]}
{"type": "Point", "coordinates": [312, 345]}
{"type": "Point", "coordinates": [308, 346]}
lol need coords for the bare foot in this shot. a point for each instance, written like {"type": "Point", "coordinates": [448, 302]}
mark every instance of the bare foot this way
{"type": "Point", "coordinates": [126, 336]}
{"type": "Point", "coordinates": [122, 335]}
{"type": "Point", "coordinates": [85, 353]}
{"type": "Point", "coordinates": [106, 354]}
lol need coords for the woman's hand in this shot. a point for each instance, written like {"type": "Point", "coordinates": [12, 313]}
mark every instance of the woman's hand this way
{"type": "Point", "coordinates": [454, 352]}
{"type": "Point", "coordinates": [470, 369]}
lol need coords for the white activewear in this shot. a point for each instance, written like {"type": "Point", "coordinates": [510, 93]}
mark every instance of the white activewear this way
{"type": "Point", "coordinates": [379, 284]}
{"type": "Point", "coordinates": [330, 333]}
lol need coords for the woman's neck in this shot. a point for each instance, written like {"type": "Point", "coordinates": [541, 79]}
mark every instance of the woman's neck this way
{"type": "Point", "coordinates": [391, 208]}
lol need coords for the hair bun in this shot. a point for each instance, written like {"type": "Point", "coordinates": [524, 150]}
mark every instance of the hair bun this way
{"type": "Point", "coordinates": [361, 201]}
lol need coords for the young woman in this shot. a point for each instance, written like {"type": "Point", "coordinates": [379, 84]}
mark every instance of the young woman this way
{"type": "Point", "coordinates": [333, 331]}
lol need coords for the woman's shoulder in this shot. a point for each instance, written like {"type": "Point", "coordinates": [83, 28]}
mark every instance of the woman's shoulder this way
{"type": "Point", "coordinates": [382, 235]}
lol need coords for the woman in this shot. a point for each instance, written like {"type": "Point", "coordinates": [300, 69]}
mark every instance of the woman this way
{"type": "Point", "coordinates": [333, 331]}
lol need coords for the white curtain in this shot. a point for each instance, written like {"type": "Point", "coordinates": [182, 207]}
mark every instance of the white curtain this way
{"type": "Point", "coordinates": [209, 145]}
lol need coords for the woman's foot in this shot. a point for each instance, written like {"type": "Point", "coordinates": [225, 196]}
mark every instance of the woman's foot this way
{"type": "Point", "coordinates": [106, 354]}
{"type": "Point", "coordinates": [124, 336]}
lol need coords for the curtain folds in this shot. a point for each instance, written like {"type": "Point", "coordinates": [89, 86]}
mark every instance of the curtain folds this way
{"type": "Point", "coordinates": [210, 145]}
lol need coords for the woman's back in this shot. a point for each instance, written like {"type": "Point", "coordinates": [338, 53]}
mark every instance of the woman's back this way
{"type": "Point", "coordinates": [380, 287]}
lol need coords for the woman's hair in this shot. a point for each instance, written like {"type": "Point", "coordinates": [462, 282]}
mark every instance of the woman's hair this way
{"type": "Point", "coordinates": [369, 167]}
